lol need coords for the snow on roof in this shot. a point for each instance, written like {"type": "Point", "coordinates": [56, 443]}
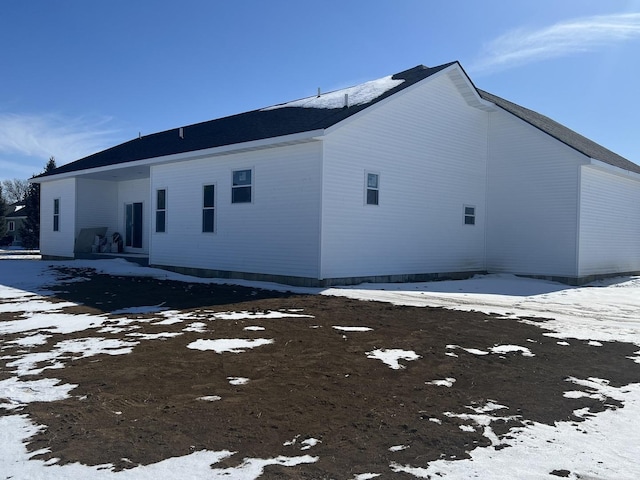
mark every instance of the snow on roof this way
{"type": "Point", "coordinates": [356, 95]}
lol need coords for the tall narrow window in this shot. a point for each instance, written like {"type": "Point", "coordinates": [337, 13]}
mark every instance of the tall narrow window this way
{"type": "Point", "coordinates": [241, 187]}
{"type": "Point", "coordinates": [208, 208]}
{"type": "Point", "coordinates": [11, 226]}
{"type": "Point", "coordinates": [469, 215]}
{"type": "Point", "coordinates": [56, 214]}
{"type": "Point", "coordinates": [133, 224]}
{"type": "Point", "coordinates": [373, 188]}
{"type": "Point", "coordinates": [161, 210]}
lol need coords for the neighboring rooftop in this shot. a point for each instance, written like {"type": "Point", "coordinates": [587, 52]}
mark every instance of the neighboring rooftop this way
{"type": "Point", "coordinates": [16, 210]}
{"type": "Point", "coordinates": [314, 113]}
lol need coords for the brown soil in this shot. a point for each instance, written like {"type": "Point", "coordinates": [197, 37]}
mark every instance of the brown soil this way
{"type": "Point", "coordinates": [312, 382]}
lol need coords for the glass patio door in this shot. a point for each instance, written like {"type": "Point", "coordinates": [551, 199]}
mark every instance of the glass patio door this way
{"type": "Point", "coordinates": [133, 225]}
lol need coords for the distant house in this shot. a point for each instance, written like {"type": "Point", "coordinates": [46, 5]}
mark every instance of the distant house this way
{"type": "Point", "coordinates": [415, 176]}
{"type": "Point", "coordinates": [15, 215]}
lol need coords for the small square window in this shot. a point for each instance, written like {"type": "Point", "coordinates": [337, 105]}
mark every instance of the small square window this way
{"type": "Point", "coordinates": [241, 186]}
{"type": "Point", "coordinates": [469, 215]}
{"type": "Point", "coordinates": [373, 189]}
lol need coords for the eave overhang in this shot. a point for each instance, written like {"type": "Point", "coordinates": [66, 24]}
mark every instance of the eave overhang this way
{"type": "Point", "coordinates": [141, 168]}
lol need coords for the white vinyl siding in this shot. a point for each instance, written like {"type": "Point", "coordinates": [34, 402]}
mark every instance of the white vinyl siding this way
{"type": "Point", "coordinates": [431, 147]}
{"type": "Point", "coordinates": [57, 243]}
{"type": "Point", "coordinates": [609, 223]}
{"type": "Point", "coordinates": [277, 235]}
{"type": "Point", "coordinates": [532, 200]}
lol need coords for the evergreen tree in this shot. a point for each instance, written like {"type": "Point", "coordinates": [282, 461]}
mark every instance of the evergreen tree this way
{"type": "Point", "coordinates": [30, 230]}
{"type": "Point", "coordinates": [51, 165]}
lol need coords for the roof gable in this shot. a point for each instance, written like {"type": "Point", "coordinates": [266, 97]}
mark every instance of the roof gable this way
{"type": "Point", "coordinates": [565, 135]}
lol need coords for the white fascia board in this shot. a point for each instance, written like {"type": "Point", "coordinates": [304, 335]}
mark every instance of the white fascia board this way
{"type": "Point", "coordinates": [462, 82]}
{"type": "Point", "coordinates": [312, 135]}
{"type": "Point", "coordinates": [599, 164]}
{"type": "Point", "coordinates": [467, 89]}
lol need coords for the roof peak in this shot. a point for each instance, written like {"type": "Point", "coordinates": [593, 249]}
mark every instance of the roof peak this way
{"type": "Point", "coordinates": [421, 70]}
{"type": "Point", "coordinates": [417, 68]}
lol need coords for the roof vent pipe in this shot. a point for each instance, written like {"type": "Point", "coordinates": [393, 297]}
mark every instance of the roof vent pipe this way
{"type": "Point", "coordinates": [346, 100]}
{"type": "Point", "coordinates": [181, 132]}
{"type": "Point", "coordinates": [318, 91]}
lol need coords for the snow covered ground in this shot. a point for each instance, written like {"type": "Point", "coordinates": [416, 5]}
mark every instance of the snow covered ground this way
{"type": "Point", "coordinates": [604, 311]}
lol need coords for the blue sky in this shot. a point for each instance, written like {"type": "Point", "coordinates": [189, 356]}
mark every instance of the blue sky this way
{"type": "Point", "coordinates": [79, 76]}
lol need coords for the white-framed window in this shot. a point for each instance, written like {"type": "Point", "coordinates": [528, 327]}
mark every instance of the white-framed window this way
{"type": "Point", "coordinates": [56, 214]}
{"type": "Point", "coordinates": [161, 210]}
{"type": "Point", "coordinates": [372, 188]}
{"type": "Point", "coordinates": [242, 186]}
{"type": "Point", "coordinates": [469, 215]}
{"type": "Point", "coordinates": [208, 208]}
{"type": "Point", "coordinates": [11, 226]}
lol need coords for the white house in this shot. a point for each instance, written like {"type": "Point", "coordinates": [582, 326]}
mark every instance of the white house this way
{"type": "Point", "coordinates": [415, 176]}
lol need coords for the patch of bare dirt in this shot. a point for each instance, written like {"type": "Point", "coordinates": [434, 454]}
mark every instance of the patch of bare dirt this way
{"type": "Point", "coordinates": [313, 381]}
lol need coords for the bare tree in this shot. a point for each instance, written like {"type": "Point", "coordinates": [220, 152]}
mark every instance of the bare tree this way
{"type": "Point", "coordinates": [14, 190]}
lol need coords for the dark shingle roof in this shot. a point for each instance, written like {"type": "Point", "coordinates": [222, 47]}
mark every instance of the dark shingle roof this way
{"type": "Point", "coordinates": [15, 210]}
{"type": "Point", "coordinates": [562, 133]}
{"type": "Point", "coordinates": [286, 120]}
{"type": "Point", "coordinates": [244, 127]}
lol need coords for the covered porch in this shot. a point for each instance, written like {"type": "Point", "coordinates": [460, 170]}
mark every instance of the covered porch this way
{"type": "Point", "coordinates": [113, 214]}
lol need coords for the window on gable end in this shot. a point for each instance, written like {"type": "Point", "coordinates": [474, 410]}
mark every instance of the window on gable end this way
{"type": "Point", "coordinates": [372, 188]}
